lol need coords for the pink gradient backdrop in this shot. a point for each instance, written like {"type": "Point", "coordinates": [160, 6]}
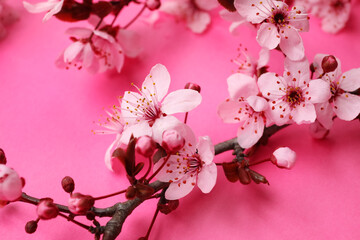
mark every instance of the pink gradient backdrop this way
{"type": "Point", "coordinates": [47, 115]}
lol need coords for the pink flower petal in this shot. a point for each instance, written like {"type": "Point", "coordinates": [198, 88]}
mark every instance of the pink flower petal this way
{"type": "Point", "coordinates": [157, 82]}
{"type": "Point", "coordinates": [297, 69]}
{"type": "Point", "coordinates": [207, 178]}
{"type": "Point", "coordinates": [131, 42]}
{"type": "Point", "coordinates": [79, 32]}
{"type": "Point", "coordinates": [257, 103]}
{"type": "Point", "coordinates": [170, 172]}
{"type": "Point", "coordinates": [347, 106]}
{"type": "Point", "coordinates": [88, 56]}
{"type": "Point", "coordinates": [350, 80]}
{"type": "Point", "coordinates": [324, 114]}
{"type": "Point", "coordinates": [206, 149]}
{"type": "Point", "coordinates": [301, 21]}
{"type": "Point", "coordinates": [231, 16]}
{"type": "Point", "coordinates": [319, 91]}
{"type": "Point", "coordinates": [39, 7]}
{"type": "Point", "coordinates": [251, 10]}
{"type": "Point", "coordinates": [279, 112]}
{"type": "Point", "coordinates": [304, 113]}
{"type": "Point", "coordinates": [73, 51]}
{"type": "Point", "coordinates": [264, 57]}
{"type": "Point", "coordinates": [250, 132]}
{"type": "Point", "coordinates": [54, 10]}
{"type": "Point", "coordinates": [270, 85]}
{"type": "Point", "coordinates": [198, 21]}
{"type": "Point", "coordinates": [129, 103]}
{"type": "Point", "coordinates": [178, 190]}
{"type": "Point", "coordinates": [268, 36]}
{"type": "Point", "coordinates": [183, 100]}
{"type": "Point", "coordinates": [229, 111]}
{"type": "Point", "coordinates": [10, 186]}
{"type": "Point", "coordinates": [241, 85]}
{"type": "Point", "coordinates": [291, 43]}
{"type": "Point", "coordinates": [140, 129]}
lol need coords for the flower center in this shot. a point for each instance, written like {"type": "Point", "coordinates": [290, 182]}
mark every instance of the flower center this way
{"type": "Point", "coordinates": [294, 96]}
{"type": "Point", "coordinates": [279, 17]}
{"type": "Point", "coordinates": [335, 91]}
{"type": "Point", "coordinates": [338, 4]}
{"type": "Point", "coordinates": [194, 164]}
{"type": "Point", "coordinates": [151, 113]}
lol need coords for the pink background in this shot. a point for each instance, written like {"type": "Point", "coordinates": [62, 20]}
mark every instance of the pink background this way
{"type": "Point", "coordinates": [47, 115]}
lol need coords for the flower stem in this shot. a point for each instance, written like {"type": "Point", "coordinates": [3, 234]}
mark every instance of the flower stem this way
{"type": "Point", "coordinates": [158, 170]}
{"type": "Point", "coordinates": [74, 221]}
{"type": "Point", "coordinates": [110, 195]}
{"type": "Point", "coordinates": [152, 223]}
{"type": "Point", "coordinates": [262, 161]}
{"type": "Point", "coordinates": [136, 17]}
{"type": "Point", "coordinates": [148, 171]}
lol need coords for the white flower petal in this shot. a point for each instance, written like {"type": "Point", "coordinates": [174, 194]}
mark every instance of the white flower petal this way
{"type": "Point", "coordinates": [183, 100]}
{"type": "Point", "coordinates": [207, 178]}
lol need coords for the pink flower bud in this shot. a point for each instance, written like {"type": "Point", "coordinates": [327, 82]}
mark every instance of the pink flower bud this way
{"type": "Point", "coordinates": [10, 184]}
{"type": "Point", "coordinates": [193, 86]}
{"type": "Point", "coordinates": [146, 146]}
{"type": "Point", "coordinates": [68, 184]}
{"type": "Point", "coordinates": [153, 4]}
{"type": "Point", "coordinates": [79, 203]}
{"type": "Point", "coordinates": [283, 157]}
{"type": "Point", "coordinates": [46, 209]}
{"type": "Point", "coordinates": [317, 130]}
{"type": "Point", "coordinates": [172, 141]}
{"type": "Point", "coordinates": [31, 226]}
{"type": "Point", "coordinates": [2, 157]}
{"type": "Point", "coordinates": [329, 64]}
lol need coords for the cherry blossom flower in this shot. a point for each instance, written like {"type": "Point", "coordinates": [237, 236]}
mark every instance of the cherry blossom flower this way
{"type": "Point", "coordinates": [334, 13]}
{"type": "Point", "coordinates": [292, 97]}
{"type": "Point", "coordinates": [141, 110]}
{"type": "Point", "coordinates": [246, 108]}
{"type": "Point", "coordinates": [191, 165]}
{"type": "Point", "coordinates": [344, 104]}
{"type": "Point", "coordinates": [113, 125]}
{"type": "Point", "coordinates": [51, 7]}
{"type": "Point", "coordinates": [10, 184]}
{"type": "Point", "coordinates": [98, 51]}
{"type": "Point", "coordinates": [95, 50]}
{"type": "Point", "coordinates": [7, 16]}
{"type": "Point", "coordinates": [193, 12]}
{"type": "Point", "coordinates": [248, 65]}
{"type": "Point", "coordinates": [279, 26]}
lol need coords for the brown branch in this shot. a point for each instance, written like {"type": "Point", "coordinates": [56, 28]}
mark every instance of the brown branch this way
{"type": "Point", "coordinates": [120, 211]}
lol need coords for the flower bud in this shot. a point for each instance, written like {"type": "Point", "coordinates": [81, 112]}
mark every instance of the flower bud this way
{"type": "Point", "coordinates": [10, 184]}
{"type": "Point", "coordinates": [283, 157]}
{"type": "Point", "coordinates": [168, 207]}
{"type": "Point", "coordinates": [193, 86]}
{"type": "Point", "coordinates": [31, 226]}
{"type": "Point", "coordinates": [46, 209]}
{"type": "Point", "coordinates": [329, 64]}
{"type": "Point", "coordinates": [68, 184]}
{"type": "Point", "coordinates": [80, 204]}
{"type": "Point", "coordinates": [153, 4]}
{"type": "Point", "coordinates": [146, 146]}
{"type": "Point", "coordinates": [317, 130]}
{"type": "Point", "coordinates": [172, 141]}
{"type": "Point", "coordinates": [2, 157]}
